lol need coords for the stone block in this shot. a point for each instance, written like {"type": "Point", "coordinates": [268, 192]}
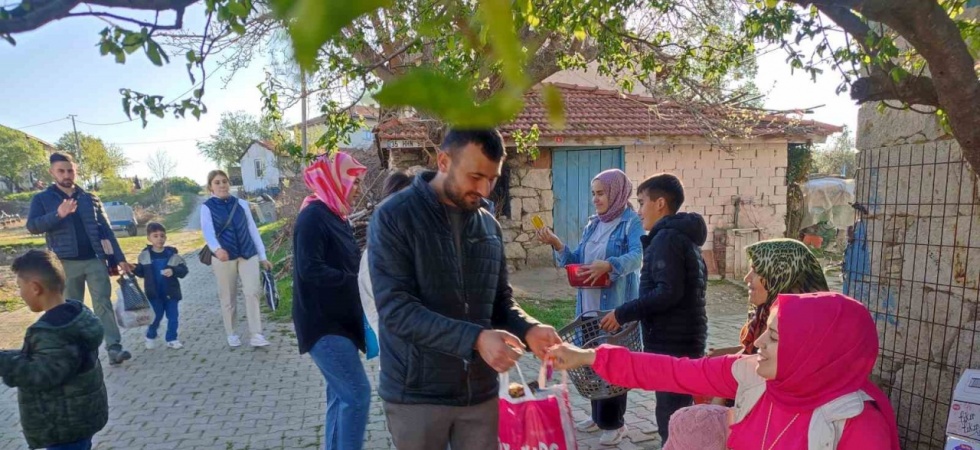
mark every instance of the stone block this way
{"type": "Point", "coordinates": [963, 345]}
{"type": "Point", "coordinates": [727, 192]}
{"type": "Point", "coordinates": [523, 237]}
{"type": "Point", "coordinates": [540, 256]}
{"type": "Point", "coordinates": [531, 205]}
{"type": "Point", "coordinates": [741, 182]}
{"type": "Point", "coordinates": [748, 173]}
{"type": "Point", "coordinates": [922, 392]}
{"type": "Point", "coordinates": [741, 163]}
{"type": "Point", "coordinates": [721, 182]}
{"type": "Point", "coordinates": [537, 179]}
{"type": "Point", "coordinates": [522, 192]}
{"type": "Point", "coordinates": [517, 208]}
{"type": "Point", "coordinates": [730, 173]}
{"type": "Point", "coordinates": [514, 250]}
{"type": "Point", "coordinates": [547, 197]}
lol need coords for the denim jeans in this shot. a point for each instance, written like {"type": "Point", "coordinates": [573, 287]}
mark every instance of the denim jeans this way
{"type": "Point", "coordinates": [161, 307]}
{"type": "Point", "coordinates": [84, 444]}
{"type": "Point", "coordinates": [348, 392]}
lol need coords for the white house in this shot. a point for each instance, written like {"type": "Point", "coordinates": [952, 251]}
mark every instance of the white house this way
{"type": "Point", "coordinates": [261, 170]}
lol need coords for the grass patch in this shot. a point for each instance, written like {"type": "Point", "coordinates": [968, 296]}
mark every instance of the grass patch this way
{"type": "Point", "coordinates": [556, 313]}
{"type": "Point", "coordinates": [284, 283]}
{"type": "Point", "coordinates": [9, 301]}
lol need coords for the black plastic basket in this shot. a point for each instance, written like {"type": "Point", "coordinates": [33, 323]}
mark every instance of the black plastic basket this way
{"type": "Point", "coordinates": [584, 332]}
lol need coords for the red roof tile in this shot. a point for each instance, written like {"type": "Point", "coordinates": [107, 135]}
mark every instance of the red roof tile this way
{"type": "Point", "coordinates": [595, 113]}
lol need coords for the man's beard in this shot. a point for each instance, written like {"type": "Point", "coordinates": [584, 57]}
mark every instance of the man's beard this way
{"type": "Point", "coordinates": [458, 198]}
{"type": "Point", "coordinates": [67, 184]}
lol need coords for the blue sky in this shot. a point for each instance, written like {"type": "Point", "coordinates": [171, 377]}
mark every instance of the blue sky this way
{"type": "Point", "coordinates": [57, 71]}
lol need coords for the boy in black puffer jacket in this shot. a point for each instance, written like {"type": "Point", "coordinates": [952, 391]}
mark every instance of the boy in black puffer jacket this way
{"type": "Point", "coordinates": [160, 267]}
{"type": "Point", "coordinates": [671, 306]}
{"type": "Point", "coordinates": [57, 373]}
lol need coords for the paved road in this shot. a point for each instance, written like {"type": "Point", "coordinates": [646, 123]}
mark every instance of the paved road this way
{"type": "Point", "coordinates": [209, 397]}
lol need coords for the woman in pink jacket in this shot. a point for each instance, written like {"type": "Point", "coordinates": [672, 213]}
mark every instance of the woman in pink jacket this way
{"type": "Point", "coordinates": [807, 388]}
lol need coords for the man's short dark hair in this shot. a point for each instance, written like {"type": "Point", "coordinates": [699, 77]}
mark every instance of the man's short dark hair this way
{"type": "Point", "coordinates": [154, 227]}
{"type": "Point", "coordinates": [43, 266]}
{"type": "Point", "coordinates": [490, 141]}
{"type": "Point", "coordinates": [664, 186]}
{"type": "Point", "coordinates": [60, 157]}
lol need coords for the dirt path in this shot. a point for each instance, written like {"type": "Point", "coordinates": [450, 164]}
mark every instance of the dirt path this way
{"type": "Point", "coordinates": [194, 219]}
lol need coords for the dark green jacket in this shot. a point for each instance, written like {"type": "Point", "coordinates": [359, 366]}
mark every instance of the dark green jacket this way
{"type": "Point", "coordinates": [58, 377]}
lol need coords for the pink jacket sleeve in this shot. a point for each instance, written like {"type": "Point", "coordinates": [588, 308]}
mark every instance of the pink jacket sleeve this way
{"type": "Point", "coordinates": [705, 376]}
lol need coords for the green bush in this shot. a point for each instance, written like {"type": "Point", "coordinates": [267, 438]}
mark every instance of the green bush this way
{"type": "Point", "coordinates": [112, 188]}
{"type": "Point", "coordinates": [183, 185]}
{"type": "Point", "coordinates": [20, 196]}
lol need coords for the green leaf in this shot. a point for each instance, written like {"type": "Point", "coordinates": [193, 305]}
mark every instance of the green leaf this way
{"type": "Point", "coordinates": [771, 4]}
{"type": "Point", "coordinates": [498, 20]}
{"type": "Point", "coordinates": [555, 106]}
{"type": "Point", "coordinates": [120, 57]}
{"type": "Point", "coordinates": [317, 21]}
{"type": "Point", "coordinates": [237, 8]}
{"type": "Point", "coordinates": [580, 33]}
{"type": "Point", "coordinates": [153, 52]}
{"type": "Point", "coordinates": [191, 57]}
{"type": "Point", "coordinates": [450, 99]}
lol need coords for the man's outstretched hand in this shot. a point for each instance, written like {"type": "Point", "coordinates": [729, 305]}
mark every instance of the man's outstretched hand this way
{"type": "Point", "coordinates": [540, 338]}
{"type": "Point", "coordinates": [499, 349]}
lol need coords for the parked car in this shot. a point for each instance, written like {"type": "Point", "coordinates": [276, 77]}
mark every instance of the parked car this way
{"type": "Point", "coordinates": [121, 217]}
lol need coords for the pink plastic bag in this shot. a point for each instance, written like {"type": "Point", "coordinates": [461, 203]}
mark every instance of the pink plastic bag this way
{"type": "Point", "coordinates": [537, 421]}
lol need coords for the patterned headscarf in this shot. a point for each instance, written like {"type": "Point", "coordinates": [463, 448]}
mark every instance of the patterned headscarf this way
{"type": "Point", "coordinates": [331, 180]}
{"type": "Point", "coordinates": [618, 189]}
{"type": "Point", "coordinates": [786, 266]}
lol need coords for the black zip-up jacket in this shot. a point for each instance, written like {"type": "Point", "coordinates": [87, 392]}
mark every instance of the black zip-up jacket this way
{"type": "Point", "coordinates": [326, 300]}
{"type": "Point", "coordinates": [433, 303]}
{"type": "Point", "coordinates": [672, 286]}
{"type": "Point", "coordinates": [144, 270]}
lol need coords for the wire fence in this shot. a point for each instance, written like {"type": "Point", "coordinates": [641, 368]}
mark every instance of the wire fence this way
{"type": "Point", "coordinates": [914, 260]}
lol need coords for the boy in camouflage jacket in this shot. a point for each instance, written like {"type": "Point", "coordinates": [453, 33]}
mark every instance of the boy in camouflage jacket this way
{"type": "Point", "coordinates": [57, 373]}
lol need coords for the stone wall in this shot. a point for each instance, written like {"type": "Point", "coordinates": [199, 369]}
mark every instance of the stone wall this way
{"type": "Point", "coordinates": [915, 262]}
{"type": "Point", "coordinates": [531, 194]}
{"type": "Point", "coordinates": [714, 177]}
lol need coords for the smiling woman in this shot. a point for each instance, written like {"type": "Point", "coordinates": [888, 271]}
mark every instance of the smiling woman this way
{"type": "Point", "coordinates": [818, 384]}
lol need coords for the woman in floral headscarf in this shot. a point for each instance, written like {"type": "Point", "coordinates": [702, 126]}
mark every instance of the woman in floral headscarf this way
{"type": "Point", "coordinates": [610, 244]}
{"type": "Point", "coordinates": [778, 266]}
{"type": "Point", "coordinates": [327, 308]}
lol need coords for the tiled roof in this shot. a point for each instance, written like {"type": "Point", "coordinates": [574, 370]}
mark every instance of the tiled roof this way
{"type": "Point", "coordinates": [595, 113]}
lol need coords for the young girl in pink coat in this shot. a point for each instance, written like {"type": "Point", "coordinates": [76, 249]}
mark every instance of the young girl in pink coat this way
{"type": "Point", "coordinates": [807, 388]}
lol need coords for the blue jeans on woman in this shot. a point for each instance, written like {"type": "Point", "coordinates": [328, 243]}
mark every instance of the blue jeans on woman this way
{"type": "Point", "coordinates": [84, 444]}
{"type": "Point", "coordinates": [348, 392]}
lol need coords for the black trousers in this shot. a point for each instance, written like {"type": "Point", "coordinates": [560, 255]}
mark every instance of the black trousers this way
{"type": "Point", "coordinates": [667, 404]}
{"type": "Point", "coordinates": [608, 413]}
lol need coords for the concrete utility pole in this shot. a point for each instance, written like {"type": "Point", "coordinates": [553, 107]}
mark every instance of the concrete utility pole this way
{"type": "Point", "coordinates": [302, 81]}
{"type": "Point", "coordinates": [78, 145]}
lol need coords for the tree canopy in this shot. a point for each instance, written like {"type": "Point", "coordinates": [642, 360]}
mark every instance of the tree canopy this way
{"type": "Point", "coordinates": [96, 159]}
{"type": "Point", "coordinates": [469, 62]}
{"type": "Point", "coordinates": [19, 155]}
{"type": "Point", "coordinates": [235, 132]}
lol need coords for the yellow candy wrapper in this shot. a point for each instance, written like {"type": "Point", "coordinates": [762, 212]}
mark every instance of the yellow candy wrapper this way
{"type": "Point", "coordinates": [537, 222]}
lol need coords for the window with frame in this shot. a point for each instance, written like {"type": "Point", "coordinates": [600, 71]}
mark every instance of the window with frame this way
{"type": "Point", "coordinates": [259, 168]}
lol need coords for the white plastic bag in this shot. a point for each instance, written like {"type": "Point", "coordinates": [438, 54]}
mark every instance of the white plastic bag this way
{"type": "Point", "coordinates": [132, 318]}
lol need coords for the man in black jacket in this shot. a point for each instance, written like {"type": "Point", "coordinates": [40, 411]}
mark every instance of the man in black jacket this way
{"type": "Point", "coordinates": [672, 284]}
{"type": "Point", "coordinates": [448, 319]}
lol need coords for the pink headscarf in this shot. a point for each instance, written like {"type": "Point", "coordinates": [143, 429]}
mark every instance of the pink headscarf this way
{"type": "Point", "coordinates": [618, 189]}
{"type": "Point", "coordinates": [331, 180]}
{"type": "Point", "coordinates": [828, 344]}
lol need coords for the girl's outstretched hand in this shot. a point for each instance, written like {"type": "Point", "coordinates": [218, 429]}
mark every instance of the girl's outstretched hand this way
{"type": "Point", "coordinates": [567, 356]}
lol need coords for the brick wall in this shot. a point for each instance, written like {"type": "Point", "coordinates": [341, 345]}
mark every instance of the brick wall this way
{"type": "Point", "coordinates": [753, 172]}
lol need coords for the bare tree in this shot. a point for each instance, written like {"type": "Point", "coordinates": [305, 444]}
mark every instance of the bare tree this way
{"type": "Point", "coordinates": [162, 167]}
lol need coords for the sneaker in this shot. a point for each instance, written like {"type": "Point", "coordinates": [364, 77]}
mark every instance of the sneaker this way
{"type": "Point", "coordinates": [151, 344]}
{"type": "Point", "coordinates": [612, 437]}
{"type": "Point", "coordinates": [117, 356]}
{"type": "Point", "coordinates": [174, 344]}
{"type": "Point", "coordinates": [234, 341]}
{"type": "Point", "coordinates": [258, 341]}
{"type": "Point", "coordinates": [586, 426]}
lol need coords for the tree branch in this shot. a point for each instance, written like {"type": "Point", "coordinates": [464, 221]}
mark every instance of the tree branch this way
{"type": "Point", "coordinates": [42, 12]}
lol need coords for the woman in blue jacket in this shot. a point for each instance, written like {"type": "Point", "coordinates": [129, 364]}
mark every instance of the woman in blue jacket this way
{"type": "Point", "coordinates": [610, 244]}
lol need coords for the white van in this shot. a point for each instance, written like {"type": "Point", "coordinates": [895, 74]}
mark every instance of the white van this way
{"type": "Point", "coordinates": [121, 217]}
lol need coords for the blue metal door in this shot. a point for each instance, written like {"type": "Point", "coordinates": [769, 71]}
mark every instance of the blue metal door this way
{"type": "Point", "coordinates": [572, 171]}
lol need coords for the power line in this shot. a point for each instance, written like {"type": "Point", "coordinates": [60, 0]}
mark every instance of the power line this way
{"type": "Point", "coordinates": [42, 123]}
{"type": "Point", "coordinates": [160, 142]}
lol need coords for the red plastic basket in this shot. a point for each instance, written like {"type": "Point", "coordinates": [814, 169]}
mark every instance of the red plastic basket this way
{"type": "Point", "coordinates": [578, 281]}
